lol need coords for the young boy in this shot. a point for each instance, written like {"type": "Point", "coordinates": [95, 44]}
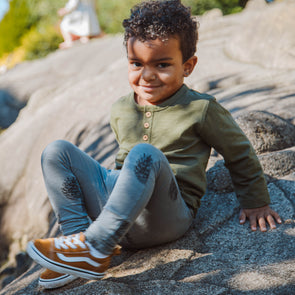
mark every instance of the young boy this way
{"type": "Point", "coordinates": [165, 133]}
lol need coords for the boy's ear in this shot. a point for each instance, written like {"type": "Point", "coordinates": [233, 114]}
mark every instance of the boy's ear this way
{"type": "Point", "coordinates": [189, 65]}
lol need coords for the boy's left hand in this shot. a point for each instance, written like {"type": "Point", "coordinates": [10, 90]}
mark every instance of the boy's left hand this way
{"type": "Point", "coordinates": [260, 215]}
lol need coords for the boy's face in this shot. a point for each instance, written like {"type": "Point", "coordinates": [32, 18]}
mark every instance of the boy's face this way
{"type": "Point", "coordinates": [156, 69]}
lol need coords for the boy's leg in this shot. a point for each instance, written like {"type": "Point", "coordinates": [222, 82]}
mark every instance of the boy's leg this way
{"type": "Point", "coordinates": [78, 187]}
{"type": "Point", "coordinates": [145, 198]}
{"type": "Point", "coordinates": [145, 202]}
{"type": "Point", "coordinates": [165, 218]}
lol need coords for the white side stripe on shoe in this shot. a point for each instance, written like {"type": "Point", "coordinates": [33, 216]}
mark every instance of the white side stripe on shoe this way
{"type": "Point", "coordinates": [78, 259]}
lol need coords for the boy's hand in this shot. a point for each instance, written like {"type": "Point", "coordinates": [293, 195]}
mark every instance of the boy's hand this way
{"type": "Point", "coordinates": [260, 215]}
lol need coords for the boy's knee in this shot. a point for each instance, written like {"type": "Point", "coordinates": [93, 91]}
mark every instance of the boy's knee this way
{"type": "Point", "coordinates": [145, 148]}
{"type": "Point", "coordinates": [148, 150]}
{"type": "Point", "coordinates": [54, 149]}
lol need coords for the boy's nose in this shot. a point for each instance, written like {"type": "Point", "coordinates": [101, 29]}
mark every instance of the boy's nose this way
{"type": "Point", "coordinates": [148, 74]}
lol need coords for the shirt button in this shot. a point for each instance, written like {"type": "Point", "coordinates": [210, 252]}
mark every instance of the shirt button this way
{"type": "Point", "coordinates": [148, 114]}
{"type": "Point", "coordinates": [145, 137]}
{"type": "Point", "coordinates": [146, 125]}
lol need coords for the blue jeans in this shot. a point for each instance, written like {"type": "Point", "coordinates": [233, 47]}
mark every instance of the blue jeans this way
{"type": "Point", "coordinates": [138, 206]}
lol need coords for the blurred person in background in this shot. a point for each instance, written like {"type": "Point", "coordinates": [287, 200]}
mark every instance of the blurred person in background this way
{"type": "Point", "coordinates": [79, 22]}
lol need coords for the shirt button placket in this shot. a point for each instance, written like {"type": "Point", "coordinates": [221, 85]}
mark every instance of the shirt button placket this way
{"type": "Point", "coordinates": [146, 125]}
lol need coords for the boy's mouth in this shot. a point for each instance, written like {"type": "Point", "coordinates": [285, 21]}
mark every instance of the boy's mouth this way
{"type": "Point", "coordinates": [148, 88]}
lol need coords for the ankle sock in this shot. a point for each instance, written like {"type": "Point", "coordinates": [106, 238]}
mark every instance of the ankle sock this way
{"type": "Point", "coordinates": [94, 252]}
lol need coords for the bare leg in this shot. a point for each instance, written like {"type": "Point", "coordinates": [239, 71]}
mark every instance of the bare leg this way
{"type": "Point", "coordinates": [68, 40]}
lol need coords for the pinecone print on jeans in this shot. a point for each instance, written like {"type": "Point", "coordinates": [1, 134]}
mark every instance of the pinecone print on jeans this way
{"type": "Point", "coordinates": [143, 168]}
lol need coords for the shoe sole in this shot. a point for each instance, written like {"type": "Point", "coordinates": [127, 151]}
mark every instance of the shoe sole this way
{"type": "Point", "coordinates": [57, 282]}
{"type": "Point", "coordinates": [59, 267]}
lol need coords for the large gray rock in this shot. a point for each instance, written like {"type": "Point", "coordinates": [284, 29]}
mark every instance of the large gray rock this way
{"type": "Point", "coordinates": [267, 132]}
{"type": "Point", "coordinates": [278, 164]}
{"type": "Point", "coordinates": [216, 256]}
{"type": "Point", "coordinates": [276, 49]}
{"type": "Point", "coordinates": [275, 165]}
{"type": "Point", "coordinates": [76, 109]}
{"type": "Point", "coordinates": [69, 94]}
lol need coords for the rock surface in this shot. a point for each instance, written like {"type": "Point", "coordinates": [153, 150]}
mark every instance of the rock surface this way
{"type": "Point", "coordinates": [68, 95]}
{"type": "Point", "coordinates": [266, 131]}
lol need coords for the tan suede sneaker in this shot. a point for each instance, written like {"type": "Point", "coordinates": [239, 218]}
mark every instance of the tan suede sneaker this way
{"type": "Point", "coordinates": [71, 255]}
{"type": "Point", "coordinates": [50, 279]}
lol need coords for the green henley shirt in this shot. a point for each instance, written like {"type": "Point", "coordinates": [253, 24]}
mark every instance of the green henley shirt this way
{"type": "Point", "coordinates": [184, 128]}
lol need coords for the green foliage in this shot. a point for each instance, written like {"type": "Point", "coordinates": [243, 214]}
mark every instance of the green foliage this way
{"type": "Point", "coordinates": [230, 6]}
{"type": "Point", "coordinates": [38, 42]}
{"type": "Point", "coordinates": [45, 11]}
{"type": "Point", "coordinates": [44, 37]}
{"type": "Point", "coordinates": [112, 12]}
{"type": "Point", "coordinates": [227, 6]}
{"type": "Point", "coordinates": [31, 23]}
{"type": "Point", "coordinates": [198, 7]}
{"type": "Point", "coordinates": [15, 23]}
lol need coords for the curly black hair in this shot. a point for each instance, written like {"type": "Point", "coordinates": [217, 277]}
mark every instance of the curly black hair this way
{"type": "Point", "coordinates": [155, 19]}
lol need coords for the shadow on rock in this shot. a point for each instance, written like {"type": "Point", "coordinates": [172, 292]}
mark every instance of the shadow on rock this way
{"type": "Point", "coordinates": [9, 108]}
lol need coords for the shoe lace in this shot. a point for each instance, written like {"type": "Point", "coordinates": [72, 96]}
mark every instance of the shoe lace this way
{"type": "Point", "coordinates": [69, 241]}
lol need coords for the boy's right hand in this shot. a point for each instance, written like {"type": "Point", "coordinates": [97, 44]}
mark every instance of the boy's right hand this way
{"type": "Point", "coordinates": [261, 216]}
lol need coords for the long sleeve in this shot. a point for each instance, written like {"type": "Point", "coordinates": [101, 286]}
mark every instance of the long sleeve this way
{"type": "Point", "coordinates": [220, 131]}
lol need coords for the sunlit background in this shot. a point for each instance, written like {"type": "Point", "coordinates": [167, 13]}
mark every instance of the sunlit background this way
{"type": "Point", "coordinates": [29, 29]}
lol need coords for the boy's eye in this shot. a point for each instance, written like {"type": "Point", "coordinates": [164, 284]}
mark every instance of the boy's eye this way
{"type": "Point", "coordinates": [136, 64]}
{"type": "Point", "coordinates": [163, 65]}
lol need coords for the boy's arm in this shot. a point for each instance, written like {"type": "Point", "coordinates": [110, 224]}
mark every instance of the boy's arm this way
{"type": "Point", "coordinates": [220, 131]}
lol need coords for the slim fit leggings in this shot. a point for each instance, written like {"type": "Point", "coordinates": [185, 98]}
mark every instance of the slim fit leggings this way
{"type": "Point", "coordinates": [138, 206]}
